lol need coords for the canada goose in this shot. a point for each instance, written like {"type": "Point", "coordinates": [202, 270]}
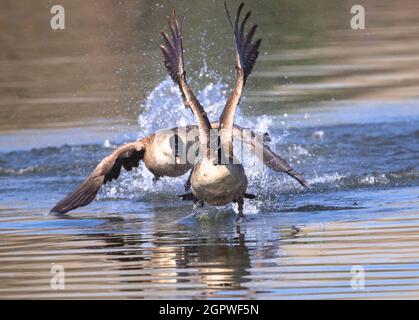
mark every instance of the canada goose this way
{"type": "Point", "coordinates": [214, 182]}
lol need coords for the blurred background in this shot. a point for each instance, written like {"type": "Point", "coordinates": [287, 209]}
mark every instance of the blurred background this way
{"type": "Point", "coordinates": [107, 59]}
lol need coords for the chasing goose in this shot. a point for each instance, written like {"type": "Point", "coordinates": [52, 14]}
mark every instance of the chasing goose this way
{"type": "Point", "coordinates": [214, 179]}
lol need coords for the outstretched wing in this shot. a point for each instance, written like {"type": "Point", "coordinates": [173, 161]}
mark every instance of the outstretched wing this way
{"type": "Point", "coordinates": [246, 49]}
{"type": "Point", "coordinates": [269, 158]}
{"type": "Point", "coordinates": [127, 156]}
{"type": "Point", "coordinates": [173, 60]}
{"type": "Point", "coordinates": [173, 49]}
{"type": "Point", "coordinates": [246, 55]}
{"type": "Point", "coordinates": [278, 164]}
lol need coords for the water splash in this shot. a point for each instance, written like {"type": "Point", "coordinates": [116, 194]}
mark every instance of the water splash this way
{"type": "Point", "coordinates": [163, 108]}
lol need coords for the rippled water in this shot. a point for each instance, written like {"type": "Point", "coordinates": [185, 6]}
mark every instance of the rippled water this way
{"type": "Point", "coordinates": [341, 106]}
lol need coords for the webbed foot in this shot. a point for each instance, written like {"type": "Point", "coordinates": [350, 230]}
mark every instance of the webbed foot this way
{"type": "Point", "coordinates": [240, 202]}
{"type": "Point", "coordinates": [187, 184]}
{"type": "Point", "coordinates": [188, 197]}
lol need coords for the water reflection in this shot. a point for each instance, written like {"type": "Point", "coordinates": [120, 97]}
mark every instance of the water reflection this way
{"type": "Point", "coordinates": [264, 258]}
{"type": "Point", "coordinates": [182, 263]}
{"type": "Point", "coordinates": [219, 262]}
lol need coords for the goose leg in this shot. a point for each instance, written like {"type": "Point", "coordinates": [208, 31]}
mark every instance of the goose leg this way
{"type": "Point", "coordinates": [190, 197]}
{"type": "Point", "coordinates": [187, 184]}
{"type": "Point", "coordinates": [156, 178]}
{"type": "Point", "coordinates": [240, 202]}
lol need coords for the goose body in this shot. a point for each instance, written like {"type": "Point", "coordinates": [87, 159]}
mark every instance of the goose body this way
{"type": "Point", "coordinates": [160, 155]}
{"type": "Point", "coordinates": [218, 185]}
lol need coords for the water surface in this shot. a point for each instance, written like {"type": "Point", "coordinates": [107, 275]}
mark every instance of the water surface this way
{"type": "Point", "coordinates": [342, 106]}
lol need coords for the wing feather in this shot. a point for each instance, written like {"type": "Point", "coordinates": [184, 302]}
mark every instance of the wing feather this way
{"type": "Point", "coordinates": [127, 156]}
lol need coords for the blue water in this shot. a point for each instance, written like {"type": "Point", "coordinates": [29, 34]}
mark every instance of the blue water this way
{"type": "Point", "coordinates": [370, 149]}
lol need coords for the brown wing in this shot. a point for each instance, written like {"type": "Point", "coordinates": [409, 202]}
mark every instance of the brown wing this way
{"type": "Point", "coordinates": [269, 158]}
{"type": "Point", "coordinates": [278, 164]}
{"type": "Point", "coordinates": [173, 49]}
{"type": "Point", "coordinates": [173, 60]}
{"type": "Point", "coordinates": [127, 156]}
{"type": "Point", "coordinates": [246, 55]}
{"type": "Point", "coordinates": [247, 50]}
{"type": "Point", "coordinates": [239, 132]}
